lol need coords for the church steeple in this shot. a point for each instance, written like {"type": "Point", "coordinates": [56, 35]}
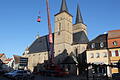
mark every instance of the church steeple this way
{"type": "Point", "coordinates": [63, 6]}
{"type": "Point", "coordinates": [78, 16]}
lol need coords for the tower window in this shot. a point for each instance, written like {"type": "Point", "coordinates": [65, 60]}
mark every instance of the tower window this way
{"type": "Point", "coordinates": [59, 27]}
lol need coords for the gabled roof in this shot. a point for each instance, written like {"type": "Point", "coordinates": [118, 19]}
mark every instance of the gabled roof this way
{"type": "Point", "coordinates": [98, 39]}
{"type": "Point", "coordinates": [80, 38]}
{"type": "Point", "coordinates": [113, 34]}
{"type": "Point", "coordinates": [9, 59]}
{"type": "Point", "coordinates": [1, 54]}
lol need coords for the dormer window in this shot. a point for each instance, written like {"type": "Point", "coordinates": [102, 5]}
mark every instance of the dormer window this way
{"type": "Point", "coordinates": [101, 44]}
{"type": "Point", "coordinates": [115, 43]}
{"type": "Point", "coordinates": [93, 45]}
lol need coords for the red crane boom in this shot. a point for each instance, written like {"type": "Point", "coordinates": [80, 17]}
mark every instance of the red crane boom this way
{"type": "Point", "coordinates": [51, 52]}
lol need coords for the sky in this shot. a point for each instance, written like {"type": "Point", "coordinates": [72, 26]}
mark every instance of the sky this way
{"type": "Point", "coordinates": [18, 26]}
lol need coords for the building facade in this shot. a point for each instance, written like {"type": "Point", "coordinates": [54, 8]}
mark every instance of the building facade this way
{"type": "Point", "coordinates": [114, 48]}
{"type": "Point", "coordinates": [98, 54]}
{"type": "Point", "coordinates": [70, 39]}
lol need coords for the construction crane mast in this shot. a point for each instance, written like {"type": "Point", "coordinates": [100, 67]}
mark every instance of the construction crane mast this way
{"type": "Point", "coordinates": [51, 49]}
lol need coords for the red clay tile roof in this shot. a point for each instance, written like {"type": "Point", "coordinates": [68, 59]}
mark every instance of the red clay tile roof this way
{"type": "Point", "coordinates": [9, 59]}
{"type": "Point", "coordinates": [113, 34]}
{"type": "Point", "coordinates": [1, 54]}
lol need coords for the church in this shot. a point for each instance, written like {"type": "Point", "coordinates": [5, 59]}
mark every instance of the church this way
{"type": "Point", "coordinates": [70, 41]}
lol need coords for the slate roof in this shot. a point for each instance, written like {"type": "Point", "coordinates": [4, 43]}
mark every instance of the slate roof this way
{"type": "Point", "coordinates": [39, 45]}
{"type": "Point", "coordinates": [78, 16]}
{"type": "Point", "coordinates": [80, 38]}
{"type": "Point", "coordinates": [63, 6]}
{"type": "Point", "coordinates": [97, 41]}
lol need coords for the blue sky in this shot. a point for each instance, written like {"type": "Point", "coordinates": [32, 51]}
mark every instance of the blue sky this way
{"type": "Point", "coordinates": [18, 26]}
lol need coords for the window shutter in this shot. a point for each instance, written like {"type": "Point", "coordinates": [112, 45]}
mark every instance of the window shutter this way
{"type": "Point", "coordinates": [110, 53]}
{"type": "Point", "coordinates": [116, 53]}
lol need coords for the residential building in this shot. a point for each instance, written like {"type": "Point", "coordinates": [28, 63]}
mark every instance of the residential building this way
{"type": "Point", "coordinates": [9, 64]}
{"type": "Point", "coordinates": [3, 57]}
{"type": "Point", "coordinates": [98, 54]}
{"type": "Point", "coordinates": [114, 48]}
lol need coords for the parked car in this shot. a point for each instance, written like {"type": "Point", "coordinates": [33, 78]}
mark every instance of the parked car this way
{"type": "Point", "coordinates": [116, 75]}
{"type": "Point", "coordinates": [2, 72]}
{"type": "Point", "coordinates": [20, 74]}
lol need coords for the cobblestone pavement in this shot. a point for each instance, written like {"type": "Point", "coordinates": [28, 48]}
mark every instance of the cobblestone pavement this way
{"type": "Point", "coordinates": [59, 78]}
{"type": "Point", "coordinates": [38, 77]}
{"type": "Point", "coordinates": [3, 78]}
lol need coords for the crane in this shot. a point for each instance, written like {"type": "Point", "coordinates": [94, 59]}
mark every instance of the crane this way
{"type": "Point", "coordinates": [52, 68]}
{"type": "Point", "coordinates": [51, 52]}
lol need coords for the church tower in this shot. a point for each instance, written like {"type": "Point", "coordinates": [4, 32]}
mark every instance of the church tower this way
{"type": "Point", "coordinates": [79, 24]}
{"type": "Point", "coordinates": [63, 30]}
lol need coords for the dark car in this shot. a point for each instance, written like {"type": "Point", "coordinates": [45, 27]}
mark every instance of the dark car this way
{"type": "Point", "coordinates": [2, 72]}
{"type": "Point", "coordinates": [114, 75]}
{"type": "Point", "coordinates": [19, 74]}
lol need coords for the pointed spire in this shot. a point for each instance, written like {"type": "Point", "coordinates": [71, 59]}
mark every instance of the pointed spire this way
{"type": "Point", "coordinates": [64, 6]}
{"type": "Point", "coordinates": [78, 16]}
